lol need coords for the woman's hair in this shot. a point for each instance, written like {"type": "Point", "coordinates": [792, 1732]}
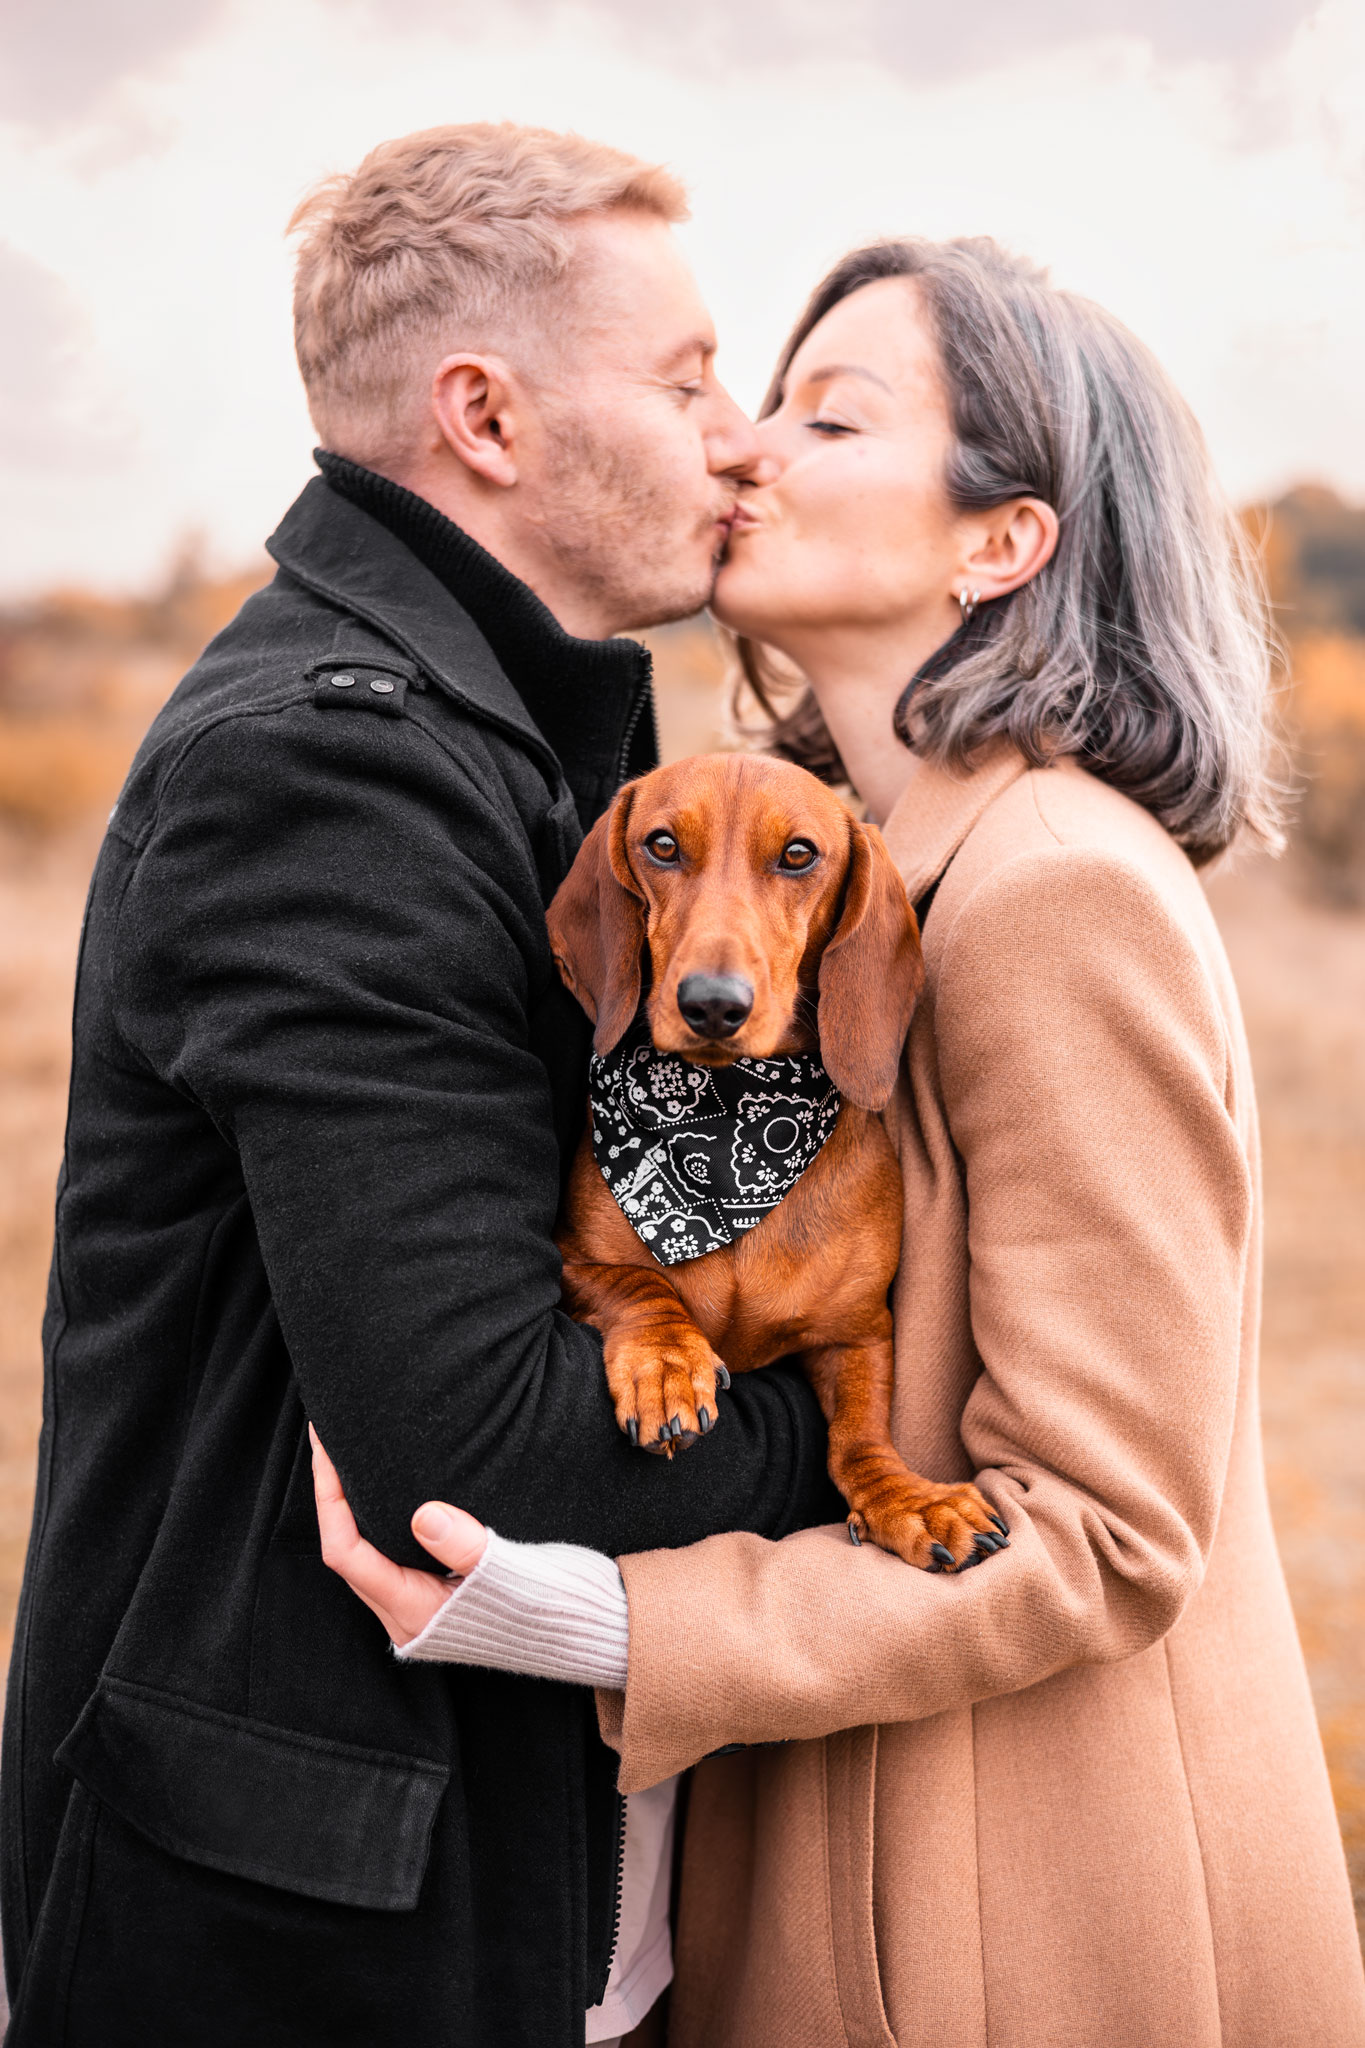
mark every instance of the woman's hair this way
{"type": "Point", "coordinates": [1142, 648]}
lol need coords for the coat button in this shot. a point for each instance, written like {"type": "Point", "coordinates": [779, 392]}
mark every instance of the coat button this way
{"type": "Point", "coordinates": [381, 686]}
{"type": "Point", "coordinates": [343, 682]}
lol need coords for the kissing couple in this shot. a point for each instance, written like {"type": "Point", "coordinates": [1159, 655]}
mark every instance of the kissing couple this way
{"type": "Point", "coordinates": [671, 1757]}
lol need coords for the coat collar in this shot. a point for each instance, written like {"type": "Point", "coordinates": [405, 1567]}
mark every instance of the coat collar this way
{"type": "Point", "coordinates": [590, 699]}
{"type": "Point", "coordinates": [342, 554]}
{"type": "Point", "coordinates": [938, 808]}
{"type": "Point", "coordinates": [590, 714]}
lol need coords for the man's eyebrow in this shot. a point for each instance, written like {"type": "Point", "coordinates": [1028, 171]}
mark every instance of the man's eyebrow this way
{"type": "Point", "coordinates": [833, 370]}
{"type": "Point", "coordinates": [703, 345]}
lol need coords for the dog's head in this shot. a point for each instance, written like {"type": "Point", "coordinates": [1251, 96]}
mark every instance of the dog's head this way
{"type": "Point", "coordinates": [773, 921]}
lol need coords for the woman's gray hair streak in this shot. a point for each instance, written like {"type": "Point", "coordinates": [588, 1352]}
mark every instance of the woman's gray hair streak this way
{"type": "Point", "coordinates": [1142, 648]}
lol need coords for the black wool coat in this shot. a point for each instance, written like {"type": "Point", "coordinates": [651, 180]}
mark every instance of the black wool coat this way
{"type": "Point", "coordinates": [325, 1081]}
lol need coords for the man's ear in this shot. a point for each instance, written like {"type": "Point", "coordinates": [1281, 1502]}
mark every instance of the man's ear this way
{"type": "Point", "coordinates": [474, 405]}
{"type": "Point", "coordinates": [597, 927]}
{"type": "Point", "coordinates": [871, 973]}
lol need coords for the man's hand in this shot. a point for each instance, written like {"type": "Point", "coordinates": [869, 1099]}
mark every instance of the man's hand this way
{"type": "Point", "coordinates": [405, 1600]}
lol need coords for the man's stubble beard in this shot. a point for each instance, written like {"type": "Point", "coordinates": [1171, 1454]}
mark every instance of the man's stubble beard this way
{"type": "Point", "coordinates": [614, 529]}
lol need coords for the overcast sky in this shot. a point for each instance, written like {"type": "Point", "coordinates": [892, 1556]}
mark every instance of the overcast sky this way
{"type": "Point", "coordinates": [1198, 165]}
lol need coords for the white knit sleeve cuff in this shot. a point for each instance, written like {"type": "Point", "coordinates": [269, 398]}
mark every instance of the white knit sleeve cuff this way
{"type": "Point", "coordinates": [547, 1610]}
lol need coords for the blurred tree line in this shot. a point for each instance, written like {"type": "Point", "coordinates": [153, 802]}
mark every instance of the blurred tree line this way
{"type": "Point", "coordinates": [1314, 548]}
{"type": "Point", "coordinates": [81, 676]}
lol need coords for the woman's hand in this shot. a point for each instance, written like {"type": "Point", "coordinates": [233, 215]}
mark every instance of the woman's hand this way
{"type": "Point", "coordinates": [404, 1599]}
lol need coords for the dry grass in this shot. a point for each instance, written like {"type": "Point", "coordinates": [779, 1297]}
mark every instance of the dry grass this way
{"type": "Point", "coordinates": [1300, 966]}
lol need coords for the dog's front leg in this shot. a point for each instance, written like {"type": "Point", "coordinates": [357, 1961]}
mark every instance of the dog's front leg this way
{"type": "Point", "coordinates": [938, 1528]}
{"type": "Point", "coordinates": [661, 1371]}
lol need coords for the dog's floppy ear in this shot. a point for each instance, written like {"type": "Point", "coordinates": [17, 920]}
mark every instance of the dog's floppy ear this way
{"type": "Point", "coordinates": [870, 975]}
{"type": "Point", "coordinates": [597, 927]}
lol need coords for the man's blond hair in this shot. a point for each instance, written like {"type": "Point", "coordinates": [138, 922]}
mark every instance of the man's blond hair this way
{"type": "Point", "coordinates": [438, 241]}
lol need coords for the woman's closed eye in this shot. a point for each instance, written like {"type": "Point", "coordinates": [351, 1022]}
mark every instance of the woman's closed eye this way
{"type": "Point", "coordinates": [831, 427]}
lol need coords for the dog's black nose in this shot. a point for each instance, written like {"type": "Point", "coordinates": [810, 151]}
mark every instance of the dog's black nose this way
{"type": "Point", "coordinates": [714, 1005]}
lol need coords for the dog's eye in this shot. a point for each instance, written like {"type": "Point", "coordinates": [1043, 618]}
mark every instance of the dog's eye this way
{"type": "Point", "coordinates": [663, 847]}
{"type": "Point", "coordinates": [798, 854]}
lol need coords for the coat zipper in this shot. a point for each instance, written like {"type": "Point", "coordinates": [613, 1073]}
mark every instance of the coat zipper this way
{"type": "Point", "coordinates": [644, 699]}
{"type": "Point", "coordinates": [620, 1888]}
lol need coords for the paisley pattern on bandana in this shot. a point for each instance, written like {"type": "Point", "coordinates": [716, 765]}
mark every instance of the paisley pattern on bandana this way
{"type": "Point", "coordinates": [695, 1156]}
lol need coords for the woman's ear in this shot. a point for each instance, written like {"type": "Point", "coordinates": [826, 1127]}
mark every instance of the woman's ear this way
{"type": "Point", "coordinates": [597, 927]}
{"type": "Point", "coordinates": [1007, 547]}
{"type": "Point", "coordinates": [871, 973]}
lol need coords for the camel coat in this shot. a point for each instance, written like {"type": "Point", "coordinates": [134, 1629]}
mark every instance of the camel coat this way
{"type": "Point", "coordinates": [1075, 1798]}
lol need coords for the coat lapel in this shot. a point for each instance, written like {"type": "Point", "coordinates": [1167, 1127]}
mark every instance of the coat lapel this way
{"type": "Point", "coordinates": [938, 808]}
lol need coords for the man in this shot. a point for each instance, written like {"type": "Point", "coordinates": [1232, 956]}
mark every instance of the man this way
{"type": "Point", "coordinates": [324, 1084]}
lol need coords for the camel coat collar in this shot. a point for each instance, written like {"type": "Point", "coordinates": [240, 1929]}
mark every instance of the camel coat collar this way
{"type": "Point", "coordinates": [938, 808]}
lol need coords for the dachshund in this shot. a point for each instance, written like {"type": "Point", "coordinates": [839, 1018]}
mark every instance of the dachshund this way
{"type": "Point", "coordinates": [778, 944]}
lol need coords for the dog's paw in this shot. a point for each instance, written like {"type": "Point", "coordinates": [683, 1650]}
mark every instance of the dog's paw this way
{"type": "Point", "coordinates": [937, 1528]}
{"type": "Point", "coordinates": [664, 1389]}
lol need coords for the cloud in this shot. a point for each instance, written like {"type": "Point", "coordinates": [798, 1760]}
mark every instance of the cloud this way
{"type": "Point", "coordinates": [52, 416]}
{"type": "Point", "coordinates": [925, 39]}
{"type": "Point", "coordinates": [58, 62]}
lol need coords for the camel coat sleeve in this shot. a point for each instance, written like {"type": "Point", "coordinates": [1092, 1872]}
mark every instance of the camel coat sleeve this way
{"type": "Point", "coordinates": [1075, 1071]}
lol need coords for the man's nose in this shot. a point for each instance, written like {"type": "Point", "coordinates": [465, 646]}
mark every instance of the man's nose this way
{"type": "Point", "coordinates": [714, 1005]}
{"type": "Point", "coordinates": [731, 442]}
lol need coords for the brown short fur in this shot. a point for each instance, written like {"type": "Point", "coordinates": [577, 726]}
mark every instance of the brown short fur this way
{"type": "Point", "coordinates": [832, 953]}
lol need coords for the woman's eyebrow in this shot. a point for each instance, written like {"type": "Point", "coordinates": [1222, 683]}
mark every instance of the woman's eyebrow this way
{"type": "Point", "coordinates": [833, 370]}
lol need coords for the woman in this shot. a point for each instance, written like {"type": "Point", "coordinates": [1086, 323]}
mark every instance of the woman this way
{"type": "Point", "coordinates": [1080, 1799]}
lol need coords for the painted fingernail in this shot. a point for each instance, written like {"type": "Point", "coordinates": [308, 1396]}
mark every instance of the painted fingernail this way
{"type": "Point", "coordinates": [723, 1379]}
{"type": "Point", "coordinates": [942, 1553]}
{"type": "Point", "coordinates": [704, 1419]}
{"type": "Point", "coordinates": [633, 1432]}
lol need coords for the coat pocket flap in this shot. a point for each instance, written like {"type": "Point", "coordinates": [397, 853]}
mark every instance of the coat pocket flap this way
{"type": "Point", "coordinates": [326, 1819]}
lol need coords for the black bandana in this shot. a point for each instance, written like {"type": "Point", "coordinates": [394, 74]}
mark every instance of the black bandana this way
{"type": "Point", "coordinates": [695, 1155]}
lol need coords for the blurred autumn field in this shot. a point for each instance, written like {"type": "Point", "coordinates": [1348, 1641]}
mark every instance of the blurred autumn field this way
{"type": "Point", "coordinates": [80, 677]}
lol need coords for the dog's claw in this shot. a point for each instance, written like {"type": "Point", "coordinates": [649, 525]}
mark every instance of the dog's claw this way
{"type": "Point", "coordinates": [943, 1554]}
{"type": "Point", "coordinates": [675, 1425]}
{"type": "Point", "coordinates": [854, 1538]}
{"type": "Point", "coordinates": [988, 1545]}
{"type": "Point", "coordinates": [722, 1377]}
{"type": "Point", "coordinates": [1001, 1527]}
{"type": "Point", "coordinates": [704, 1420]}
{"type": "Point", "coordinates": [633, 1432]}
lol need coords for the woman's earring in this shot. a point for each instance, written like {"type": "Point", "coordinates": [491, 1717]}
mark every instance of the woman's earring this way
{"type": "Point", "coordinates": [968, 601]}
